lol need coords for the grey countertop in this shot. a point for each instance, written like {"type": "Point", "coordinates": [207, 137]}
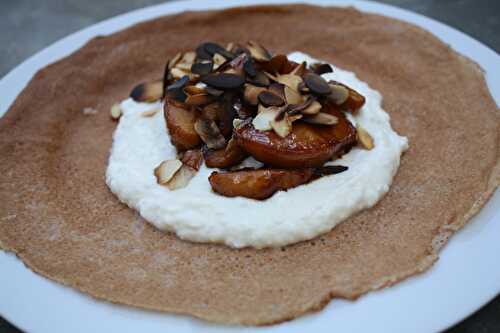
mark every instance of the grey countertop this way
{"type": "Point", "coordinates": [28, 26]}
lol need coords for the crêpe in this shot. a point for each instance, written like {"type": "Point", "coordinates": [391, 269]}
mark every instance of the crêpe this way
{"type": "Point", "coordinates": [58, 215]}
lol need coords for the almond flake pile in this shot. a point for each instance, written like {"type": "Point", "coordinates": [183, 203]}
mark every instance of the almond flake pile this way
{"type": "Point", "coordinates": [224, 104]}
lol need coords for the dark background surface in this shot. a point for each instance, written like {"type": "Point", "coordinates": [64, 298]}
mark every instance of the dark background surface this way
{"type": "Point", "coordinates": [28, 26]}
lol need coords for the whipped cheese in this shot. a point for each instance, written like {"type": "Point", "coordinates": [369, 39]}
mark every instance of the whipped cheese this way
{"type": "Point", "coordinates": [198, 214]}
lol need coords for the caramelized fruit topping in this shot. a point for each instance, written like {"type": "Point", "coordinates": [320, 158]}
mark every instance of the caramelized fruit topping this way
{"type": "Point", "coordinates": [223, 104]}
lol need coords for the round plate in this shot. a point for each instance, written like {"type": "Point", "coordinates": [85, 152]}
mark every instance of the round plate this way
{"type": "Point", "coordinates": [466, 276]}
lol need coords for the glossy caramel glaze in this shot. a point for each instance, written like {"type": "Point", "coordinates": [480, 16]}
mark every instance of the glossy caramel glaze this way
{"type": "Point", "coordinates": [257, 184]}
{"type": "Point", "coordinates": [180, 123]}
{"type": "Point", "coordinates": [307, 145]}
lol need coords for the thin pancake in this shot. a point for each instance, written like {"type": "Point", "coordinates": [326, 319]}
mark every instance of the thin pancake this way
{"type": "Point", "coordinates": [59, 217]}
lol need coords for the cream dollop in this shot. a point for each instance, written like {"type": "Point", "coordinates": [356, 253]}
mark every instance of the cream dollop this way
{"type": "Point", "coordinates": [198, 214]}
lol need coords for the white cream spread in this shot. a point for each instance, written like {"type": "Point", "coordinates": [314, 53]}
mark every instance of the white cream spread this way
{"type": "Point", "coordinates": [198, 214]}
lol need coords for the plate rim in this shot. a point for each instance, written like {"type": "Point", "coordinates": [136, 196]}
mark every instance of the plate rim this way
{"type": "Point", "coordinates": [16, 79]}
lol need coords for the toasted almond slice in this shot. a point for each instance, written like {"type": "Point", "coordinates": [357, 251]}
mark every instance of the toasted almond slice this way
{"type": "Point", "coordinates": [182, 178]}
{"type": "Point", "coordinates": [183, 66]}
{"type": "Point", "coordinates": [89, 111]}
{"type": "Point", "coordinates": [178, 73]}
{"type": "Point", "coordinates": [295, 117]}
{"type": "Point", "coordinates": [258, 52]}
{"type": "Point", "coordinates": [166, 170]}
{"type": "Point", "coordinates": [317, 84]}
{"type": "Point", "coordinates": [312, 109]}
{"type": "Point", "coordinates": [262, 121]}
{"type": "Point", "coordinates": [189, 57]}
{"type": "Point", "coordinates": [292, 96]}
{"type": "Point", "coordinates": [116, 111]}
{"type": "Point", "coordinates": [271, 76]}
{"type": "Point", "coordinates": [223, 81]}
{"type": "Point", "coordinates": [321, 68]}
{"type": "Point", "coordinates": [194, 90]}
{"type": "Point", "coordinates": [209, 133]}
{"type": "Point", "coordinates": [321, 119]}
{"type": "Point", "coordinates": [299, 70]}
{"type": "Point", "coordinates": [290, 80]}
{"type": "Point", "coordinates": [251, 93]}
{"type": "Point", "coordinates": [268, 98]}
{"type": "Point", "coordinates": [283, 126]}
{"type": "Point", "coordinates": [150, 113]}
{"type": "Point", "coordinates": [339, 93]}
{"type": "Point", "coordinates": [364, 138]}
{"type": "Point", "coordinates": [218, 61]}
{"type": "Point", "coordinates": [237, 123]}
{"type": "Point", "coordinates": [233, 71]}
{"type": "Point", "coordinates": [148, 92]}
{"type": "Point", "coordinates": [174, 60]}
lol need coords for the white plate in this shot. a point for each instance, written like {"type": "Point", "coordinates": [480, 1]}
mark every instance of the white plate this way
{"type": "Point", "coordinates": [466, 277]}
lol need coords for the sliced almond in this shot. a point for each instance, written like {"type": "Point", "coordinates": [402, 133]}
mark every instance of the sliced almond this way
{"type": "Point", "coordinates": [339, 93]}
{"type": "Point", "coordinates": [267, 98]}
{"type": "Point", "coordinates": [223, 81]}
{"type": "Point", "coordinates": [312, 109]}
{"type": "Point", "coordinates": [89, 111]}
{"type": "Point", "coordinates": [178, 73]}
{"type": "Point", "coordinates": [278, 89]}
{"type": "Point", "coordinates": [260, 79]}
{"type": "Point", "coordinates": [282, 127]}
{"type": "Point", "coordinates": [184, 66]}
{"type": "Point", "coordinates": [321, 68]}
{"type": "Point", "coordinates": [150, 113]}
{"type": "Point", "coordinates": [295, 117]}
{"type": "Point", "coordinates": [258, 52]}
{"type": "Point", "coordinates": [237, 123]}
{"type": "Point", "coordinates": [364, 138]}
{"type": "Point", "coordinates": [233, 71]}
{"type": "Point", "coordinates": [292, 96]}
{"type": "Point", "coordinates": [218, 60]}
{"type": "Point", "coordinates": [166, 170]}
{"type": "Point", "coordinates": [194, 90]}
{"type": "Point", "coordinates": [251, 93]}
{"type": "Point", "coordinates": [262, 121]}
{"type": "Point", "coordinates": [321, 119]}
{"type": "Point", "coordinates": [148, 92]}
{"type": "Point", "coordinates": [209, 133]}
{"type": "Point", "coordinates": [230, 46]}
{"type": "Point", "coordinates": [174, 60]}
{"type": "Point", "coordinates": [271, 76]}
{"type": "Point", "coordinates": [116, 111]}
{"type": "Point", "coordinates": [290, 80]}
{"type": "Point", "coordinates": [299, 70]}
{"type": "Point", "coordinates": [189, 57]}
{"type": "Point", "coordinates": [317, 84]}
{"type": "Point", "coordinates": [181, 178]}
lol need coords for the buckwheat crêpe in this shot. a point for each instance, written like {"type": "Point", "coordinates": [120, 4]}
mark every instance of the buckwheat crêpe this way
{"type": "Point", "coordinates": [59, 217]}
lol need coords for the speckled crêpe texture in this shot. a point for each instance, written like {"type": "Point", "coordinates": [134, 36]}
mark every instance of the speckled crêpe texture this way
{"type": "Point", "coordinates": [58, 215]}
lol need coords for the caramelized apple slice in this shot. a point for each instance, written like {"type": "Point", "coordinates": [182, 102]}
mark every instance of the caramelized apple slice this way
{"type": "Point", "coordinates": [180, 124]}
{"type": "Point", "coordinates": [308, 145]}
{"type": "Point", "coordinates": [226, 157]}
{"type": "Point", "coordinates": [257, 184]}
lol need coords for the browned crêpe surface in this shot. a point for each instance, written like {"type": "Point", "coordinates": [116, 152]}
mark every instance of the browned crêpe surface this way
{"type": "Point", "coordinates": [59, 217]}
